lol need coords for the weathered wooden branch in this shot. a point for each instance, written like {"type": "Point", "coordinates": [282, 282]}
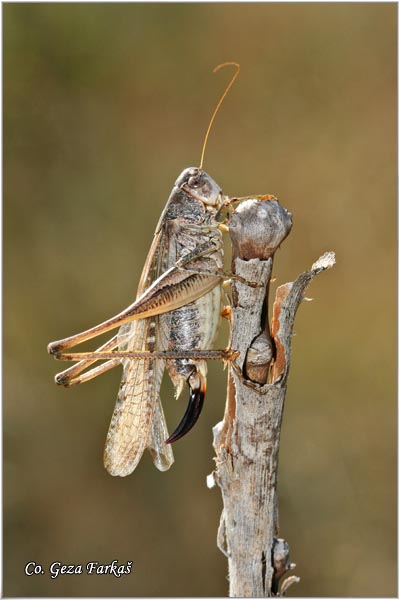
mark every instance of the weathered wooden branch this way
{"type": "Point", "coordinates": [246, 442]}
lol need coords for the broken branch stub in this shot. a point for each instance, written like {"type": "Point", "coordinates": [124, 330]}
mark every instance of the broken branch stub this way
{"type": "Point", "coordinates": [246, 442]}
{"type": "Point", "coordinates": [257, 229]}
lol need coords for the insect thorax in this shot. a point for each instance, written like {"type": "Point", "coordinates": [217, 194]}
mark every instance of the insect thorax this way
{"type": "Point", "coordinates": [183, 207]}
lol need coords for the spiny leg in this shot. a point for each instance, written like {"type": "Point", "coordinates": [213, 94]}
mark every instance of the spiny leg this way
{"type": "Point", "coordinates": [224, 355]}
{"type": "Point", "coordinates": [65, 379]}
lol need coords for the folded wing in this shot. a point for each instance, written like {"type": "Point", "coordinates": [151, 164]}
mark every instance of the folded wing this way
{"type": "Point", "coordinates": [138, 420]}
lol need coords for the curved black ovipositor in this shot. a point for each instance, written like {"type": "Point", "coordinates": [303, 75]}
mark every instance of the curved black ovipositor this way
{"type": "Point", "coordinates": [191, 415]}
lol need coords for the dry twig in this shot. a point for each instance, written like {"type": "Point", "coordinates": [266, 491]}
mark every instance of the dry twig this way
{"type": "Point", "coordinates": [246, 442]}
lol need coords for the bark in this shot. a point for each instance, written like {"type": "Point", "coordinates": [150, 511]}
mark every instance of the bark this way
{"type": "Point", "coordinates": [246, 442]}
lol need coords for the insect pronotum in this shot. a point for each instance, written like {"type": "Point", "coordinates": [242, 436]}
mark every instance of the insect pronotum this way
{"type": "Point", "coordinates": [171, 324]}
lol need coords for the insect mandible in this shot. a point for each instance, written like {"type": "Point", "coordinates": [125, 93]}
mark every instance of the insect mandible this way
{"type": "Point", "coordinates": [171, 324]}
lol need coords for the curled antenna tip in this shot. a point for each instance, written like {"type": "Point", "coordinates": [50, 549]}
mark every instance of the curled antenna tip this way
{"type": "Point", "coordinates": [226, 64]}
{"type": "Point", "coordinates": [220, 101]}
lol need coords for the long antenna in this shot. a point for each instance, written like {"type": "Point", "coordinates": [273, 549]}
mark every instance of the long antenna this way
{"type": "Point", "coordinates": [232, 81]}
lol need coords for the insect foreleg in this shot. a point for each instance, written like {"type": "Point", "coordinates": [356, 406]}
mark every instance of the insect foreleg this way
{"type": "Point", "coordinates": [205, 249]}
{"type": "Point", "coordinates": [229, 202]}
{"type": "Point", "coordinates": [268, 197]}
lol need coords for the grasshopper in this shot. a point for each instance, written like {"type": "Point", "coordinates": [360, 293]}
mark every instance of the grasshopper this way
{"type": "Point", "coordinates": [171, 324]}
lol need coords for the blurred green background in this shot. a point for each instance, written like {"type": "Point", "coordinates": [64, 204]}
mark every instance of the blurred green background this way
{"type": "Point", "coordinates": [104, 105]}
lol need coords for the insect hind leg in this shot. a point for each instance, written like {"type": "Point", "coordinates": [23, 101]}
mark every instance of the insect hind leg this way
{"type": "Point", "coordinates": [69, 378]}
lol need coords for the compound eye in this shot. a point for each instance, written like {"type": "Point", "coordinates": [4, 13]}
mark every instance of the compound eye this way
{"type": "Point", "coordinates": [194, 182]}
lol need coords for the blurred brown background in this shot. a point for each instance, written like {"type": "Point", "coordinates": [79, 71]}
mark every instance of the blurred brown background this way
{"type": "Point", "coordinates": [104, 105]}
